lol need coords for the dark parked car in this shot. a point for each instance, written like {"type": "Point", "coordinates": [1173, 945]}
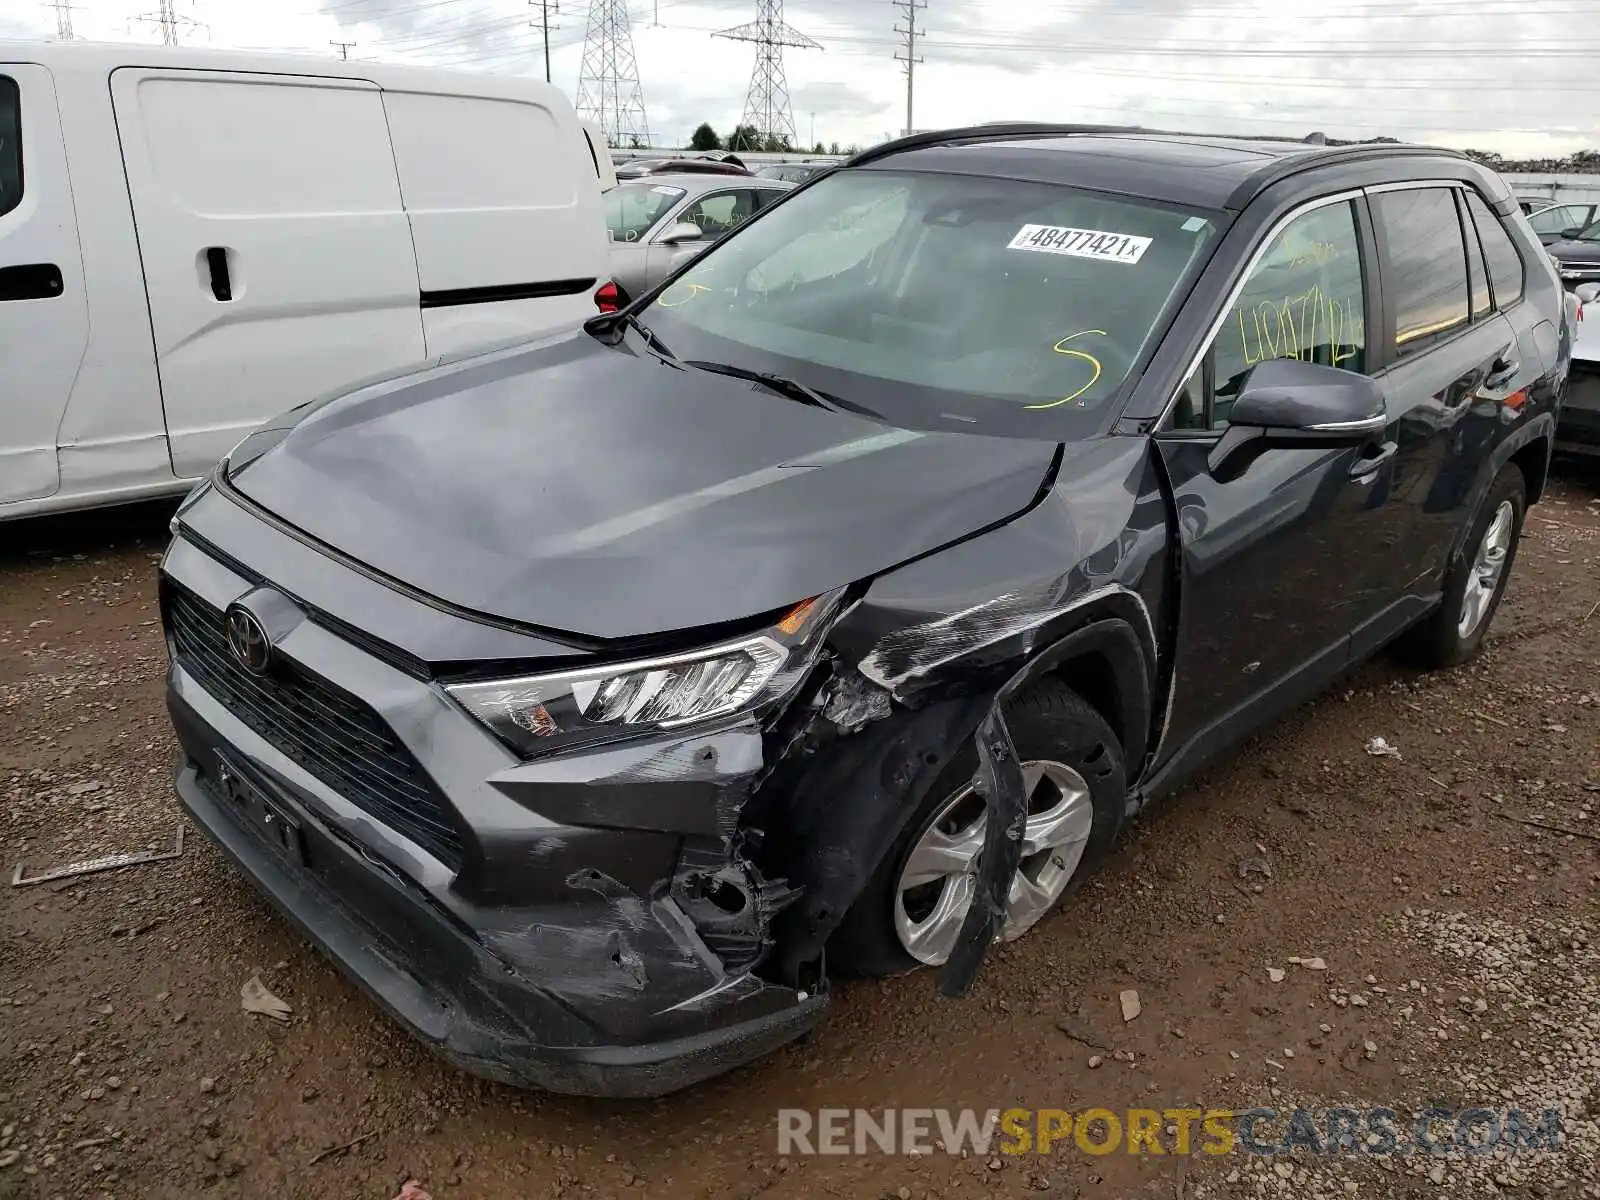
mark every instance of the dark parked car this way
{"type": "Point", "coordinates": [830, 608]}
{"type": "Point", "coordinates": [1578, 253]}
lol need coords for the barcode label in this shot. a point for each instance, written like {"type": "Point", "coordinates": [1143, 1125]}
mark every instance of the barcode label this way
{"type": "Point", "coordinates": [1081, 243]}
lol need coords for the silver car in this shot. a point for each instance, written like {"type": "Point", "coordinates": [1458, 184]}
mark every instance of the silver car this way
{"type": "Point", "coordinates": [660, 222]}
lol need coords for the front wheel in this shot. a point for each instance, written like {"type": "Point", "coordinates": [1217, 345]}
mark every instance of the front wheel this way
{"type": "Point", "coordinates": [1476, 581]}
{"type": "Point", "coordinates": [911, 911]}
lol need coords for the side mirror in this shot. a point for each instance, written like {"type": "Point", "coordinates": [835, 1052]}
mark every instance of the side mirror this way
{"type": "Point", "coordinates": [1289, 403]}
{"type": "Point", "coordinates": [1588, 293]}
{"type": "Point", "coordinates": [1571, 235]}
{"type": "Point", "coordinates": [683, 231]}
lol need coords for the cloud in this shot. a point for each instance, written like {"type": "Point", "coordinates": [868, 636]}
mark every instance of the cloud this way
{"type": "Point", "coordinates": [1495, 74]}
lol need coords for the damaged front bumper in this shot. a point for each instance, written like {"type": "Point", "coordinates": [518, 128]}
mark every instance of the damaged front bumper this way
{"type": "Point", "coordinates": [467, 1003]}
{"type": "Point", "coordinates": [585, 923]}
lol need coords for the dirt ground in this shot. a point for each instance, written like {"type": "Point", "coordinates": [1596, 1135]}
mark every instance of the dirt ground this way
{"type": "Point", "coordinates": [1460, 947]}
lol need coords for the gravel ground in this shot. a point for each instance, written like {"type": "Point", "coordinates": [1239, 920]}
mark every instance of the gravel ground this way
{"type": "Point", "coordinates": [1309, 925]}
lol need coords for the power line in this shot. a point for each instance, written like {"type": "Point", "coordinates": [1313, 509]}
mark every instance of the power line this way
{"type": "Point", "coordinates": [911, 8]}
{"type": "Point", "coordinates": [608, 81]}
{"type": "Point", "coordinates": [767, 104]}
{"type": "Point", "coordinates": [343, 47]}
{"type": "Point", "coordinates": [172, 25]}
{"type": "Point", "coordinates": [63, 10]}
{"type": "Point", "coordinates": [542, 24]}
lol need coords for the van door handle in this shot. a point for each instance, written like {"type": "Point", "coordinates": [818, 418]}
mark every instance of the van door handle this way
{"type": "Point", "coordinates": [35, 281]}
{"type": "Point", "coordinates": [1365, 468]}
{"type": "Point", "coordinates": [217, 265]}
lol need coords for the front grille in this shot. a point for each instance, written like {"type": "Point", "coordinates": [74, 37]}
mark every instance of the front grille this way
{"type": "Point", "coordinates": [329, 732]}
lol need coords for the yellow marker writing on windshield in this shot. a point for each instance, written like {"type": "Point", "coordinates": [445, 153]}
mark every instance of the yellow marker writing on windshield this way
{"type": "Point", "coordinates": [1061, 348]}
{"type": "Point", "coordinates": [694, 290]}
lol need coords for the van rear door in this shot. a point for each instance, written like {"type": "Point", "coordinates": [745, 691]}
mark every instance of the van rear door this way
{"type": "Point", "coordinates": [277, 256]}
{"type": "Point", "coordinates": [504, 210]}
{"type": "Point", "coordinates": [44, 317]}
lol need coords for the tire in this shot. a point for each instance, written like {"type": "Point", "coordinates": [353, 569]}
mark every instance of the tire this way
{"type": "Point", "coordinates": [1452, 635]}
{"type": "Point", "coordinates": [1050, 724]}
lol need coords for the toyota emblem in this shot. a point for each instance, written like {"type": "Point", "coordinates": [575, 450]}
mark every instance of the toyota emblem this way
{"type": "Point", "coordinates": [248, 641]}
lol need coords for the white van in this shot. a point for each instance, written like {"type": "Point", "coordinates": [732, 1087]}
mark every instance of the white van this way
{"type": "Point", "coordinates": [192, 241]}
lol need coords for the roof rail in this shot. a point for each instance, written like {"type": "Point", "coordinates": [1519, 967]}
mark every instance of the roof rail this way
{"type": "Point", "coordinates": [997, 131]}
{"type": "Point", "coordinates": [1007, 130]}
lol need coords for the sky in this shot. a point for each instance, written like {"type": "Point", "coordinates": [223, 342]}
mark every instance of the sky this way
{"type": "Point", "coordinates": [1513, 76]}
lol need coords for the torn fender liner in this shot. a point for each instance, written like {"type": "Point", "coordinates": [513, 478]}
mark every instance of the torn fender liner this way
{"type": "Point", "coordinates": [999, 780]}
{"type": "Point", "coordinates": [841, 811]}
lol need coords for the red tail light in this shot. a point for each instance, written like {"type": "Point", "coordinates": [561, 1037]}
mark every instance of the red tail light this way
{"type": "Point", "coordinates": [609, 298]}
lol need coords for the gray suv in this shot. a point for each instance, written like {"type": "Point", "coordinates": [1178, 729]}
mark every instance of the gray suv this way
{"type": "Point", "coordinates": [828, 610]}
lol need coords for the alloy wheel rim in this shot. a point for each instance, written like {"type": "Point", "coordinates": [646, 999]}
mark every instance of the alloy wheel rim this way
{"type": "Point", "coordinates": [1488, 565]}
{"type": "Point", "coordinates": [939, 878]}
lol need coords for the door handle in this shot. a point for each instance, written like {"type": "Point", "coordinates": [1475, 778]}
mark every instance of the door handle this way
{"type": "Point", "coordinates": [217, 266]}
{"type": "Point", "coordinates": [1502, 371]}
{"type": "Point", "coordinates": [1365, 468]}
{"type": "Point", "coordinates": [35, 281]}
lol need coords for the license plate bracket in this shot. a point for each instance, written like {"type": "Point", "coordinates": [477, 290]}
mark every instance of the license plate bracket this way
{"type": "Point", "coordinates": [271, 820]}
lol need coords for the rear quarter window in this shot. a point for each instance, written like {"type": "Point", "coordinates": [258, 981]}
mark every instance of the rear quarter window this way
{"type": "Point", "coordinates": [10, 144]}
{"type": "Point", "coordinates": [1499, 252]}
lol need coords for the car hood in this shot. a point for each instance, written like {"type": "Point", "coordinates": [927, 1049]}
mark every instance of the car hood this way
{"type": "Point", "coordinates": [583, 488]}
{"type": "Point", "coordinates": [1575, 252]}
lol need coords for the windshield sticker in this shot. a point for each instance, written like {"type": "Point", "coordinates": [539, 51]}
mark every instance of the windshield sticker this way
{"type": "Point", "coordinates": [1081, 243]}
{"type": "Point", "coordinates": [1061, 348]}
{"type": "Point", "coordinates": [1195, 224]}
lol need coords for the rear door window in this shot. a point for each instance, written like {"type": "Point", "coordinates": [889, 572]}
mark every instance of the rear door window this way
{"type": "Point", "coordinates": [1499, 252]}
{"type": "Point", "coordinates": [721, 212]}
{"type": "Point", "coordinates": [1427, 283]}
{"type": "Point", "coordinates": [10, 144]}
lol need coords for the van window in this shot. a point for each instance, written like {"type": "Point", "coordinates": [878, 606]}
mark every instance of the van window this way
{"type": "Point", "coordinates": [1429, 285]}
{"type": "Point", "coordinates": [10, 144]}
{"type": "Point", "coordinates": [1505, 264]}
{"type": "Point", "coordinates": [238, 147]}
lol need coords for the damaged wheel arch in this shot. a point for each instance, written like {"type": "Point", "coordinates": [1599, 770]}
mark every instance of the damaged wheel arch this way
{"type": "Point", "coordinates": [844, 809]}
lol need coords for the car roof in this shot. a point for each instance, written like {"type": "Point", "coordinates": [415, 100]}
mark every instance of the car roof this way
{"type": "Point", "coordinates": [1200, 170]}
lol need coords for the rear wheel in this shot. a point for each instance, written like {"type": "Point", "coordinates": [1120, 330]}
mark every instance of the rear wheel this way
{"type": "Point", "coordinates": [911, 911]}
{"type": "Point", "coordinates": [1477, 579]}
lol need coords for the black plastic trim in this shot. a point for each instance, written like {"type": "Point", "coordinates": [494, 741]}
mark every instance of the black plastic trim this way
{"type": "Point", "coordinates": [496, 293]}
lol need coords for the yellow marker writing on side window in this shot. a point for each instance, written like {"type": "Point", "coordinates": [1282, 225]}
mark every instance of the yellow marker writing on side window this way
{"type": "Point", "coordinates": [694, 290]}
{"type": "Point", "coordinates": [1061, 348]}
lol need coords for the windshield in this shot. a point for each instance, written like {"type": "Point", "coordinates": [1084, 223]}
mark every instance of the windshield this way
{"type": "Point", "coordinates": [632, 208]}
{"type": "Point", "coordinates": [926, 297]}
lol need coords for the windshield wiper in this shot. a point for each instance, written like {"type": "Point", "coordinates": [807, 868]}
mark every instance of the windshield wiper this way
{"type": "Point", "coordinates": [793, 389]}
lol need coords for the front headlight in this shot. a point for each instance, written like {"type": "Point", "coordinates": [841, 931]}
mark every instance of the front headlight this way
{"type": "Point", "coordinates": [537, 714]}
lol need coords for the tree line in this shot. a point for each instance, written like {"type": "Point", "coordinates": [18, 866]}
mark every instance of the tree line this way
{"type": "Point", "coordinates": [748, 137]}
